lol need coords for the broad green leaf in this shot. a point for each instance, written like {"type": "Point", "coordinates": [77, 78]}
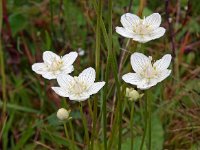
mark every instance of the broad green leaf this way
{"type": "Point", "coordinates": [17, 22]}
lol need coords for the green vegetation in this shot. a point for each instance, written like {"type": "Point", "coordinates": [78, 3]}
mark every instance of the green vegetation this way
{"type": "Point", "coordinates": [107, 120]}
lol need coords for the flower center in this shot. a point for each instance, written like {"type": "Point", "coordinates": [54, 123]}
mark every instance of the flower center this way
{"type": "Point", "coordinates": [142, 28]}
{"type": "Point", "coordinates": [56, 65]}
{"type": "Point", "coordinates": [149, 72]}
{"type": "Point", "coordinates": [77, 86]}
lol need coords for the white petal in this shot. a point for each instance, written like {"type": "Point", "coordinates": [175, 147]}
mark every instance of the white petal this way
{"type": "Point", "coordinates": [132, 78]}
{"type": "Point", "coordinates": [39, 68]}
{"type": "Point", "coordinates": [123, 32]}
{"type": "Point", "coordinates": [60, 91]}
{"type": "Point", "coordinates": [88, 75]}
{"type": "Point", "coordinates": [49, 75]}
{"type": "Point", "coordinates": [146, 84]}
{"type": "Point", "coordinates": [128, 20]}
{"type": "Point", "coordinates": [67, 69]}
{"type": "Point", "coordinates": [141, 38]}
{"type": "Point", "coordinates": [157, 33]}
{"type": "Point", "coordinates": [153, 20]}
{"type": "Point", "coordinates": [164, 74]}
{"type": "Point", "coordinates": [163, 63]}
{"type": "Point", "coordinates": [139, 61]}
{"type": "Point", "coordinates": [65, 80]}
{"type": "Point", "coordinates": [69, 59]}
{"type": "Point", "coordinates": [95, 87]}
{"type": "Point", "coordinates": [81, 97]}
{"type": "Point", "coordinates": [49, 56]}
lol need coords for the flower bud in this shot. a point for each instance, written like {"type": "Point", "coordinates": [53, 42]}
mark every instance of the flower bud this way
{"type": "Point", "coordinates": [132, 94]}
{"type": "Point", "coordinates": [63, 114]}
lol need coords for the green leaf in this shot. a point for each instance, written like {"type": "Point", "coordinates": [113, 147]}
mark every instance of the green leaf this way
{"type": "Point", "coordinates": [157, 133]}
{"type": "Point", "coordinates": [136, 144]}
{"type": "Point", "coordinates": [17, 22]}
{"type": "Point", "coordinates": [24, 138]}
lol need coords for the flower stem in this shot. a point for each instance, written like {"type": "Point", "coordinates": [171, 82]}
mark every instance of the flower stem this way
{"type": "Point", "coordinates": [84, 124]}
{"type": "Point", "coordinates": [66, 133]}
{"type": "Point", "coordinates": [72, 132]}
{"type": "Point", "coordinates": [131, 124]}
{"type": "Point", "coordinates": [145, 124]}
{"type": "Point", "coordinates": [149, 118]}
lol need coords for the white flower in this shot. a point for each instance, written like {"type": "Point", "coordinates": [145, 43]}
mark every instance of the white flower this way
{"type": "Point", "coordinates": [54, 65]}
{"type": "Point", "coordinates": [147, 74]}
{"type": "Point", "coordinates": [63, 114]}
{"type": "Point", "coordinates": [132, 94]}
{"type": "Point", "coordinates": [78, 88]}
{"type": "Point", "coordinates": [141, 30]}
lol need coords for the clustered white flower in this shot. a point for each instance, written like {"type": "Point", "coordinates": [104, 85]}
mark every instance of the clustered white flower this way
{"type": "Point", "coordinates": [54, 65]}
{"type": "Point", "coordinates": [76, 88]}
{"type": "Point", "coordinates": [80, 88]}
{"type": "Point", "coordinates": [141, 30]}
{"type": "Point", "coordinates": [147, 74]}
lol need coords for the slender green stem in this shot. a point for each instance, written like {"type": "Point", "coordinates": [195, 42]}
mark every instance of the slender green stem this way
{"type": "Point", "coordinates": [71, 127]}
{"type": "Point", "coordinates": [149, 118]}
{"type": "Point", "coordinates": [72, 133]}
{"type": "Point", "coordinates": [120, 123]}
{"type": "Point", "coordinates": [84, 124]}
{"type": "Point", "coordinates": [145, 124]}
{"type": "Point", "coordinates": [66, 133]}
{"type": "Point", "coordinates": [131, 124]}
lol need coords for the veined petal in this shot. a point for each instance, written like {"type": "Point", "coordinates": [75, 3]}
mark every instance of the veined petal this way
{"type": "Point", "coordinates": [163, 75]}
{"type": "Point", "coordinates": [157, 33]}
{"type": "Point", "coordinates": [65, 80]}
{"type": "Point", "coordinates": [153, 20]}
{"type": "Point", "coordinates": [95, 87]}
{"type": "Point", "coordinates": [60, 91]}
{"type": "Point", "coordinates": [67, 69]}
{"type": "Point", "coordinates": [163, 63]}
{"type": "Point", "coordinates": [128, 20]}
{"type": "Point", "coordinates": [88, 75]}
{"type": "Point", "coordinates": [81, 97]}
{"type": "Point", "coordinates": [132, 78]}
{"type": "Point", "coordinates": [123, 32]}
{"type": "Point", "coordinates": [146, 84]}
{"type": "Point", "coordinates": [141, 38]}
{"type": "Point", "coordinates": [49, 75]}
{"type": "Point", "coordinates": [69, 59]}
{"type": "Point", "coordinates": [139, 61]}
{"type": "Point", "coordinates": [39, 68]}
{"type": "Point", "coordinates": [49, 56]}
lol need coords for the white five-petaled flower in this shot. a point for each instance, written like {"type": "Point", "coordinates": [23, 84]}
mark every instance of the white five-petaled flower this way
{"type": "Point", "coordinates": [147, 74]}
{"type": "Point", "coordinates": [54, 65]}
{"type": "Point", "coordinates": [141, 30]}
{"type": "Point", "coordinates": [78, 88]}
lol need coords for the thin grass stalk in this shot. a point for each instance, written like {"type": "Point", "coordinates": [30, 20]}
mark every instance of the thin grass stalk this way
{"type": "Point", "coordinates": [115, 71]}
{"type": "Point", "coordinates": [97, 67]}
{"type": "Point", "coordinates": [84, 124]}
{"type": "Point", "coordinates": [3, 76]}
{"type": "Point", "coordinates": [107, 74]}
{"type": "Point", "coordinates": [131, 124]}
